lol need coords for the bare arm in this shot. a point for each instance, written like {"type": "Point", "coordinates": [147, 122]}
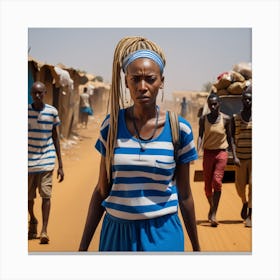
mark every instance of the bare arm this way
{"type": "Point", "coordinates": [95, 210]}
{"type": "Point", "coordinates": [229, 129]}
{"type": "Point", "coordinates": [200, 132]}
{"type": "Point", "coordinates": [186, 203]}
{"type": "Point", "coordinates": [236, 161]}
{"type": "Point", "coordinates": [60, 173]}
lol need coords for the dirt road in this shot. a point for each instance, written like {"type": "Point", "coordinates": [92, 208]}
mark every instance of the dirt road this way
{"type": "Point", "coordinates": [71, 198]}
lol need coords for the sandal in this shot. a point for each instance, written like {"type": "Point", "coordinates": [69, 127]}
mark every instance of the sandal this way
{"type": "Point", "coordinates": [32, 231]}
{"type": "Point", "coordinates": [44, 239]}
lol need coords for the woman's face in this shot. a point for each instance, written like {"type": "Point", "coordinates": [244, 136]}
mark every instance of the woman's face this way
{"type": "Point", "coordinates": [143, 79]}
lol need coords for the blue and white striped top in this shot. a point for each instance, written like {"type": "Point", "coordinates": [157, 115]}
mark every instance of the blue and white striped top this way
{"type": "Point", "coordinates": [142, 185]}
{"type": "Point", "coordinates": [41, 150]}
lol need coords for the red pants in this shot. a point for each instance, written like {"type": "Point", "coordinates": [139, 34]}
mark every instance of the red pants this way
{"type": "Point", "coordinates": [214, 162]}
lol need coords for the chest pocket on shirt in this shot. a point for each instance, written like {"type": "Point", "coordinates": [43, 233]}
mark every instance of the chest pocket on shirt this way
{"type": "Point", "coordinates": [166, 167]}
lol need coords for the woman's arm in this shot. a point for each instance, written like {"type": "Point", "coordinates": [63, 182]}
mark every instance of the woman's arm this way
{"type": "Point", "coordinates": [95, 210]}
{"type": "Point", "coordinates": [186, 203]}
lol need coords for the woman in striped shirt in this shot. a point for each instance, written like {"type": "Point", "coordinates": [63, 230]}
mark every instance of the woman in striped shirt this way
{"type": "Point", "coordinates": [136, 187]}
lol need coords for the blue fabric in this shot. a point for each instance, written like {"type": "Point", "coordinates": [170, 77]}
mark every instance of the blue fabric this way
{"type": "Point", "coordinates": [162, 234]}
{"type": "Point", "coordinates": [142, 179]}
{"type": "Point", "coordinates": [41, 149]}
{"type": "Point", "coordinates": [30, 83]}
{"type": "Point", "coordinates": [143, 54]}
{"type": "Point", "coordinates": [87, 110]}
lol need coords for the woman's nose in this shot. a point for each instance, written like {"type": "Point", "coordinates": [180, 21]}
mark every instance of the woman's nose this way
{"type": "Point", "coordinates": [142, 84]}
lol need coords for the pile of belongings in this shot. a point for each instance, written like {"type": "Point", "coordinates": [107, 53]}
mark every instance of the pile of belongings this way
{"type": "Point", "coordinates": [234, 81]}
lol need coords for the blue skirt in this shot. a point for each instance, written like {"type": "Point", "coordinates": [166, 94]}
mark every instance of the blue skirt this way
{"type": "Point", "coordinates": [162, 234]}
{"type": "Point", "coordinates": [87, 110]}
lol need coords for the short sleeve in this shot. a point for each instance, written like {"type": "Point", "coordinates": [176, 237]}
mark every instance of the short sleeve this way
{"type": "Point", "coordinates": [187, 151]}
{"type": "Point", "coordinates": [56, 120]}
{"type": "Point", "coordinates": [101, 142]}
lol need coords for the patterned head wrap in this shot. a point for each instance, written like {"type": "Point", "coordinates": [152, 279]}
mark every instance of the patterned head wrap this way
{"type": "Point", "coordinates": [143, 54]}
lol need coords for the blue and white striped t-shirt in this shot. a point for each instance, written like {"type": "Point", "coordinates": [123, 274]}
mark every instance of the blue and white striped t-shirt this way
{"type": "Point", "coordinates": [41, 150]}
{"type": "Point", "coordinates": [142, 185]}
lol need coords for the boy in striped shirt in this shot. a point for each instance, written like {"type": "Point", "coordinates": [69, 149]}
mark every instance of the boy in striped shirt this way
{"type": "Point", "coordinates": [43, 147]}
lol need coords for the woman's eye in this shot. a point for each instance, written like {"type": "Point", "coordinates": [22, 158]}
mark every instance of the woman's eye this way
{"type": "Point", "coordinates": [150, 80]}
{"type": "Point", "coordinates": [147, 79]}
{"type": "Point", "coordinates": [135, 79]}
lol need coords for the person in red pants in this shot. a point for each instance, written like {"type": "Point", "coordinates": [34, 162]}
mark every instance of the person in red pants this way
{"type": "Point", "coordinates": [215, 138]}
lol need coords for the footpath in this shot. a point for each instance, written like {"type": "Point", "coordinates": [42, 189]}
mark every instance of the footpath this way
{"type": "Point", "coordinates": [71, 198]}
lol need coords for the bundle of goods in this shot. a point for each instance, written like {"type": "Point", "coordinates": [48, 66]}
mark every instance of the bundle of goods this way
{"type": "Point", "coordinates": [234, 81]}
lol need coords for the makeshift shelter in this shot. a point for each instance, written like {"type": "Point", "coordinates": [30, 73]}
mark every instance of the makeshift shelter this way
{"type": "Point", "coordinates": [38, 71]}
{"type": "Point", "coordinates": [60, 90]}
{"type": "Point", "coordinates": [100, 93]}
{"type": "Point", "coordinates": [63, 91]}
{"type": "Point", "coordinates": [64, 82]}
{"type": "Point", "coordinates": [32, 69]}
{"type": "Point", "coordinates": [195, 99]}
{"type": "Point", "coordinates": [79, 79]}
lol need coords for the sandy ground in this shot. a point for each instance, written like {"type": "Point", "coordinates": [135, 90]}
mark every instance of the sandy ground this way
{"type": "Point", "coordinates": [71, 199]}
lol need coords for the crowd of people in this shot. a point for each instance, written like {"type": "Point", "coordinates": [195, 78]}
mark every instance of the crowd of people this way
{"type": "Point", "coordinates": [144, 177]}
{"type": "Point", "coordinates": [219, 133]}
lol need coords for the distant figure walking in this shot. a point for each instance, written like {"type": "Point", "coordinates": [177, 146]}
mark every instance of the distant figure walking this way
{"type": "Point", "coordinates": [242, 132]}
{"type": "Point", "coordinates": [184, 106]}
{"type": "Point", "coordinates": [43, 147]}
{"type": "Point", "coordinates": [85, 106]}
{"type": "Point", "coordinates": [215, 136]}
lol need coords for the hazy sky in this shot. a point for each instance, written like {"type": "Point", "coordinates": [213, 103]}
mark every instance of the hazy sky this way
{"type": "Point", "coordinates": [194, 55]}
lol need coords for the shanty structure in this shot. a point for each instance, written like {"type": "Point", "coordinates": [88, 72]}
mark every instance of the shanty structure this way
{"type": "Point", "coordinates": [195, 100]}
{"type": "Point", "coordinates": [63, 91]}
{"type": "Point", "coordinates": [99, 93]}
